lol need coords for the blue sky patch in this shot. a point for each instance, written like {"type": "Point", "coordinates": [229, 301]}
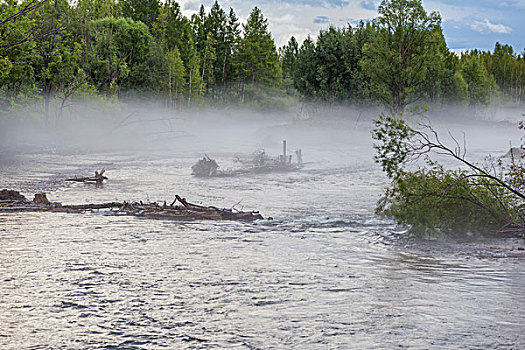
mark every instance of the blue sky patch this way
{"type": "Point", "coordinates": [368, 4]}
{"type": "Point", "coordinates": [321, 19]}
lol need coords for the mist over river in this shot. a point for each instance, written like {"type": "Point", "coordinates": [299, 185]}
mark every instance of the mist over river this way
{"type": "Point", "coordinates": [325, 273]}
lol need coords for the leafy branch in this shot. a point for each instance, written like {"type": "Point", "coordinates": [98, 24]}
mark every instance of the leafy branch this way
{"type": "Point", "coordinates": [433, 197]}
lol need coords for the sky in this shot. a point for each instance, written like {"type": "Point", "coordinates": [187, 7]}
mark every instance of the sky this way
{"type": "Point", "coordinates": [467, 24]}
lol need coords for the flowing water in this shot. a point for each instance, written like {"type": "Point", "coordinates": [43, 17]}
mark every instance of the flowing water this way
{"type": "Point", "coordinates": [324, 273]}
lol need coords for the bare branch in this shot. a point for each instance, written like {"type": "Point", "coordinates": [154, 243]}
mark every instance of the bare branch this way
{"type": "Point", "coordinates": [33, 38]}
{"type": "Point", "coordinates": [426, 145]}
{"type": "Point", "coordinates": [28, 8]}
{"type": "Point", "coordinates": [457, 149]}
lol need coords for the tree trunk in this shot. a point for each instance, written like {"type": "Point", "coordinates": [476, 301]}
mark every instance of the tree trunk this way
{"type": "Point", "coordinates": [189, 91]}
{"type": "Point", "coordinates": [224, 76]}
{"type": "Point", "coordinates": [47, 99]}
{"type": "Point", "coordinates": [253, 73]}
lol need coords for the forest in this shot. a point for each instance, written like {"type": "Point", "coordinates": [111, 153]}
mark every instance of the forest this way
{"type": "Point", "coordinates": [55, 53]}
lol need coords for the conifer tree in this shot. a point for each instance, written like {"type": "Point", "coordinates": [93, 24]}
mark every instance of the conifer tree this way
{"type": "Point", "coordinates": [305, 77]}
{"type": "Point", "coordinates": [232, 37]}
{"type": "Point", "coordinates": [145, 11]}
{"type": "Point", "coordinates": [258, 58]}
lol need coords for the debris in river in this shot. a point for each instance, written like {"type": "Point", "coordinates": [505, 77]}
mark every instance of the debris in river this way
{"type": "Point", "coordinates": [186, 211]}
{"type": "Point", "coordinates": [260, 163]}
{"type": "Point", "coordinates": [98, 178]}
{"type": "Point", "coordinates": [205, 167]}
{"type": "Point", "coordinates": [41, 198]}
{"type": "Point", "coordinates": [10, 195]}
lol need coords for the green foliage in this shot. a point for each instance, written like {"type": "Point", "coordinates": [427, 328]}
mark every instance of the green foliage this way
{"type": "Point", "coordinates": [17, 74]}
{"type": "Point", "coordinates": [332, 74]}
{"type": "Point", "coordinates": [257, 57]}
{"type": "Point", "coordinates": [134, 46]}
{"type": "Point", "coordinates": [217, 48]}
{"type": "Point", "coordinates": [400, 55]}
{"type": "Point", "coordinates": [435, 199]}
{"type": "Point", "coordinates": [194, 80]}
{"type": "Point", "coordinates": [358, 84]}
{"type": "Point", "coordinates": [168, 27]}
{"type": "Point", "coordinates": [118, 48]}
{"type": "Point", "coordinates": [198, 25]}
{"type": "Point", "coordinates": [328, 70]}
{"type": "Point", "coordinates": [480, 84]}
{"type": "Point", "coordinates": [57, 57]}
{"type": "Point", "coordinates": [145, 11]}
{"type": "Point", "coordinates": [399, 59]}
{"type": "Point", "coordinates": [124, 53]}
{"type": "Point", "coordinates": [288, 57]}
{"type": "Point", "coordinates": [208, 59]}
{"type": "Point", "coordinates": [232, 37]}
{"type": "Point", "coordinates": [393, 149]}
{"type": "Point", "coordinates": [508, 70]}
{"type": "Point", "coordinates": [305, 76]}
{"type": "Point", "coordinates": [176, 79]}
{"type": "Point", "coordinates": [446, 84]}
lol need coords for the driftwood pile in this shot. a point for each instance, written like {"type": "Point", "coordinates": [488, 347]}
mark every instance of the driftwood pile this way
{"type": "Point", "coordinates": [10, 195]}
{"type": "Point", "coordinates": [205, 167]}
{"type": "Point", "coordinates": [260, 163]}
{"type": "Point", "coordinates": [13, 201]}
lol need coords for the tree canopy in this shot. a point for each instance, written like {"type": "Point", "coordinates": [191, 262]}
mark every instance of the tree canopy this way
{"type": "Point", "coordinates": [55, 50]}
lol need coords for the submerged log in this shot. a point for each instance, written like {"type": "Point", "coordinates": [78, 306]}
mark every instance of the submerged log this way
{"type": "Point", "coordinates": [186, 211]}
{"type": "Point", "coordinates": [98, 178]}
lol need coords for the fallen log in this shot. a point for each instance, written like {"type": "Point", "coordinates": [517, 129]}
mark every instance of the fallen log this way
{"type": "Point", "coordinates": [95, 206]}
{"type": "Point", "coordinates": [186, 211]}
{"type": "Point", "coordinates": [98, 178]}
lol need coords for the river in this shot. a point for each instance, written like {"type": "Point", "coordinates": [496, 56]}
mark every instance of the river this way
{"type": "Point", "coordinates": [325, 273]}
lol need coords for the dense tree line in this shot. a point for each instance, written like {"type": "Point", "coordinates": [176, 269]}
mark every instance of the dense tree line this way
{"type": "Point", "coordinates": [398, 59]}
{"type": "Point", "coordinates": [57, 51]}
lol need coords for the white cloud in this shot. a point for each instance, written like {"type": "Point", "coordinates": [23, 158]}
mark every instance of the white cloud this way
{"type": "Point", "coordinates": [458, 52]}
{"type": "Point", "coordinates": [519, 4]}
{"type": "Point", "coordinates": [455, 12]}
{"type": "Point", "coordinates": [491, 27]}
{"type": "Point", "coordinates": [190, 5]}
{"type": "Point", "coordinates": [292, 17]}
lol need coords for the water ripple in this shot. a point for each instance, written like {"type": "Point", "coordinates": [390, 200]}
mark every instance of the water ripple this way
{"type": "Point", "coordinates": [324, 273]}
